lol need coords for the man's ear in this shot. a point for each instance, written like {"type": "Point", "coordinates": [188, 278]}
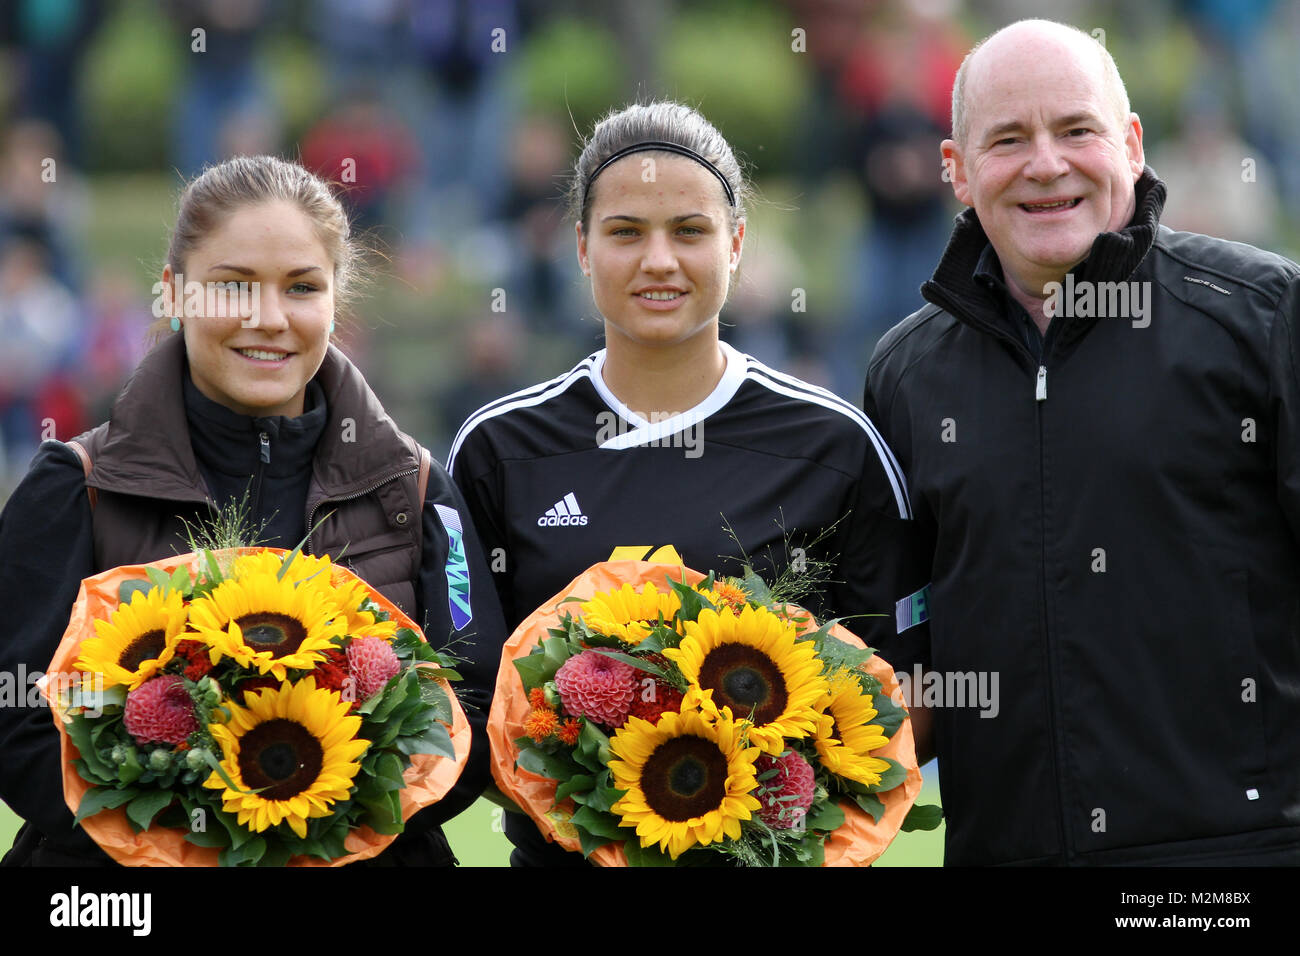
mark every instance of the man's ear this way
{"type": "Point", "coordinates": [954, 170]}
{"type": "Point", "coordinates": [1133, 145]}
{"type": "Point", "coordinates": [582, 250]}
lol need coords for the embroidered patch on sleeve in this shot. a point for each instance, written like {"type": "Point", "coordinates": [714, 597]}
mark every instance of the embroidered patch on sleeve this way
{"type": "Point", "coordinates": [457, 569]}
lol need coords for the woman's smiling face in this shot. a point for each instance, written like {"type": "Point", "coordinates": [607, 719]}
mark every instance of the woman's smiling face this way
{"type": "Point", "coordinates": [260, 364]}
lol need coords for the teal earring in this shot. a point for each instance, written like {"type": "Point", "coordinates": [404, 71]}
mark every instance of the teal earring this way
{"type": "Point", "coordinates": [331, 326]}
{"type": "Point", "coordinates": [176, 324]}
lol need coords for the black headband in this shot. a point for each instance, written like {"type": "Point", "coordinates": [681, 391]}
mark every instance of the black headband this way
{"type": "Point", "coordinates": [658, 145]}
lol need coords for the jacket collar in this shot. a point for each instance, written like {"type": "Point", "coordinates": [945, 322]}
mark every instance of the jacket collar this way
{"type": "Point", "coordinates": [148, 450]}
{"type": "Point", "coordinates": [1114, 256]}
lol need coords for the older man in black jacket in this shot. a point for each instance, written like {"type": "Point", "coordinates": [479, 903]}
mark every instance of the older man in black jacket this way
{"type": "Point", "coordinates": [1099, 420]}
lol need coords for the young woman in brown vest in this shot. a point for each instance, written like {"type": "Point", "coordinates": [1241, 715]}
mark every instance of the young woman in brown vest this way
{"type": "Point", "coordinates": [245, 396]}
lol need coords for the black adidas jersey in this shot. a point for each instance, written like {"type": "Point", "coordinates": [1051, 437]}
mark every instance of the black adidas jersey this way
{"type": "Point", "coordinates": [558, 475]}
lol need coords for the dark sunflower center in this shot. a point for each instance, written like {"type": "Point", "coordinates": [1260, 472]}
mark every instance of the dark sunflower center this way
{"type": "Point", "coordinates": [746, 680]}
{"type": "Point", "coordinates": [685, 777]}
{"type": "Point", "coordinates": [280, 755]}
{"type": "Point", "coordinates": [268, 631]}
{"type": "Point", "coordinates": [146, 647]}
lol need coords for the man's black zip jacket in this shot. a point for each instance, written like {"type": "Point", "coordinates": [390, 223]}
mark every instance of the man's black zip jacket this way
{"type": "Point", "coordinates": [1114, 530]}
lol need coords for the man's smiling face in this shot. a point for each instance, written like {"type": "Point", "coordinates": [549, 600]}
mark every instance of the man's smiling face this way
{"type": "Point", "coordinates": [1048, 164]}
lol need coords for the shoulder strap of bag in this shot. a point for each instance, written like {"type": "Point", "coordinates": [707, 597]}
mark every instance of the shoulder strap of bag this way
{"type": "Point", "coordinates": [84, 455]}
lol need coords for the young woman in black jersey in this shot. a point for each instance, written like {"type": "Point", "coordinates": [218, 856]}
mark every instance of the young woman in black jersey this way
{"type": "Point", "coordinates": [668, 436]}
{"type": "Point", "coordinates": [249, 396]}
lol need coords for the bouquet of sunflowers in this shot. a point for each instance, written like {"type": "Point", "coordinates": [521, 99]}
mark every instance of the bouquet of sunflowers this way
{"type": "Point", "coordinates": [250, 707]}
{"type": "Point", "coordinates": [655, 716]}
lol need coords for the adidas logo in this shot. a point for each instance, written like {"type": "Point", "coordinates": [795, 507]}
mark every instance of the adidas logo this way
{"type": "Point", "coordinates": [563, 512]}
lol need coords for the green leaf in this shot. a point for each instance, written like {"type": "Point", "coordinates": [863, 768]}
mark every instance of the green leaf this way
{"type": "Point", "coordinates": [925, 816]}
{"type": "Point", "coordinates": [79, 734]}
{"type": "Point", "coordinates": [540, 666]}
{"type": "Point", "coordinates": [447, 673]}
{"type": "Point", "coordinates": [756, 587]}
{"type": "Point", "coordinates": [555, 766]}
{"type": "Point", "coordinates": [599, 824]}
{"type": "Point", "coordinates": [102, 798]}
{"type": "Point", "coordinates": [889, 715]}
{"type": "Point", "coordinates": [127, 588]}
{"type": "Point", "coordinates": [435, 740]}
{"type": "Point", "coordinates": [593, 744]}
{"type": "Point", "coordinates": [246, 854]}
{"type": "Point", "coordinates": [812, 852]}
{"type": "Point", "coordinates": [214, 569]}
{"type": "Point", "coordinates": [145, 807]}
{"type": "Point", "coordinates": [277, 854]}
{"type": "Point", "coordinates": [892, 777]}
{"type": "Point", "coordinates": [838, 654]}
{"type": "Point", "coordinates": [603, 798]}
{"type": "Point", "coordinates": [288, 558]}
{"type": "Point", "coordinates": [575, 784]}
{"type": "Point", "coordinates": [130, 771]}
{"type": "Point", "coordinates": [388, 771]}
{"type": "Point", "coordinates": [435, 696]}
{"type": "Point", "coordinates": [180, 580]}
{"type": "Point", "coordinates": [637, 662]}
{"type": "Point", "coordinates": [652, 642]}
{"type": "Point", "coordinates": [159, 579]}
{"type": "Point", "coordinates": [211, 837]}
{"type": "Point", "coordinates": [871, 803]}
{"type": "Point", "coordinates": [644, 856]}
{"type": "Point", "coordinates": [385, 813]}
{"type": "Point", "coordinates": [825, 818]}
{"type": "Point", "coordinates": [590, 842]}
{"type": "Point", "coordinates": [693, 602]}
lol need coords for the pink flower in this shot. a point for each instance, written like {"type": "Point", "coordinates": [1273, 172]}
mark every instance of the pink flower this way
{"type": "Point", "coordinates": [596, 686]}
{"type": "Point", "coordinates": [372, 663]}
{"type": "Point", "coordinates": [160, 710]}
{"type": "Point", "coordinates": [787, 796]}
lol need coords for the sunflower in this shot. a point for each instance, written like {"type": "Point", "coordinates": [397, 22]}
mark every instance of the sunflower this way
{"type": "Point", "coordinates": [296, 746]}
{"type": "Point", "coordinates": [137, 640]}
{"type": "Point", "coordinates": [304, 567]}
{"type": "Point", "coordinates": [351, 594]}
{"type": "Point", "coordinates": [629, 614]}
{"type": "Point", "coordinates": [688, 781]}
{"type": "Point", "coordinates": [753, 664]}
{"type": "Point", "coordinates": [268, 624]}
{"type": "Point", "coordinates": [845, 735]}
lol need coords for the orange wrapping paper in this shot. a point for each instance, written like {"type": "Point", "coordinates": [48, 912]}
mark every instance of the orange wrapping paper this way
{"type": "Point", "coordinates": [428, 779]}
{"type": "Point", "coordinates": [857, 843]}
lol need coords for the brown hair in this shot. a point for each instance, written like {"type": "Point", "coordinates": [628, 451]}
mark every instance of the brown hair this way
{"type": "Point", "coordinates": [646, 122]}
{"type": "Point", "coordinates": [242, 181]}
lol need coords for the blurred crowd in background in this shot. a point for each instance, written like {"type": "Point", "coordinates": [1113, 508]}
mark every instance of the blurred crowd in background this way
{"type": "Point", "coordinates": [451, 126]}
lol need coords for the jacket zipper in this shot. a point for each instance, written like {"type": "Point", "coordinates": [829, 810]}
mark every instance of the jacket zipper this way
{"type": "Point", "coordinates": [940, 298]}
{"type": "Point", "coordinates": [1053, 692]}
{"type": "Point", "coordinates": [263, 459]}
{"type": "Point", "coordinates": [311, 518]}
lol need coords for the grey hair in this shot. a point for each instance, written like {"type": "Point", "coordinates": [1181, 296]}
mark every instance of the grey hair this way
{"type": "Point", "coordinates": [1114, 82]}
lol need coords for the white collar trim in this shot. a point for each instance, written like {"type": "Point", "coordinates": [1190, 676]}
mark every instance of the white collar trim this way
{"type": "Point", "coordinates": [617, 434]}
